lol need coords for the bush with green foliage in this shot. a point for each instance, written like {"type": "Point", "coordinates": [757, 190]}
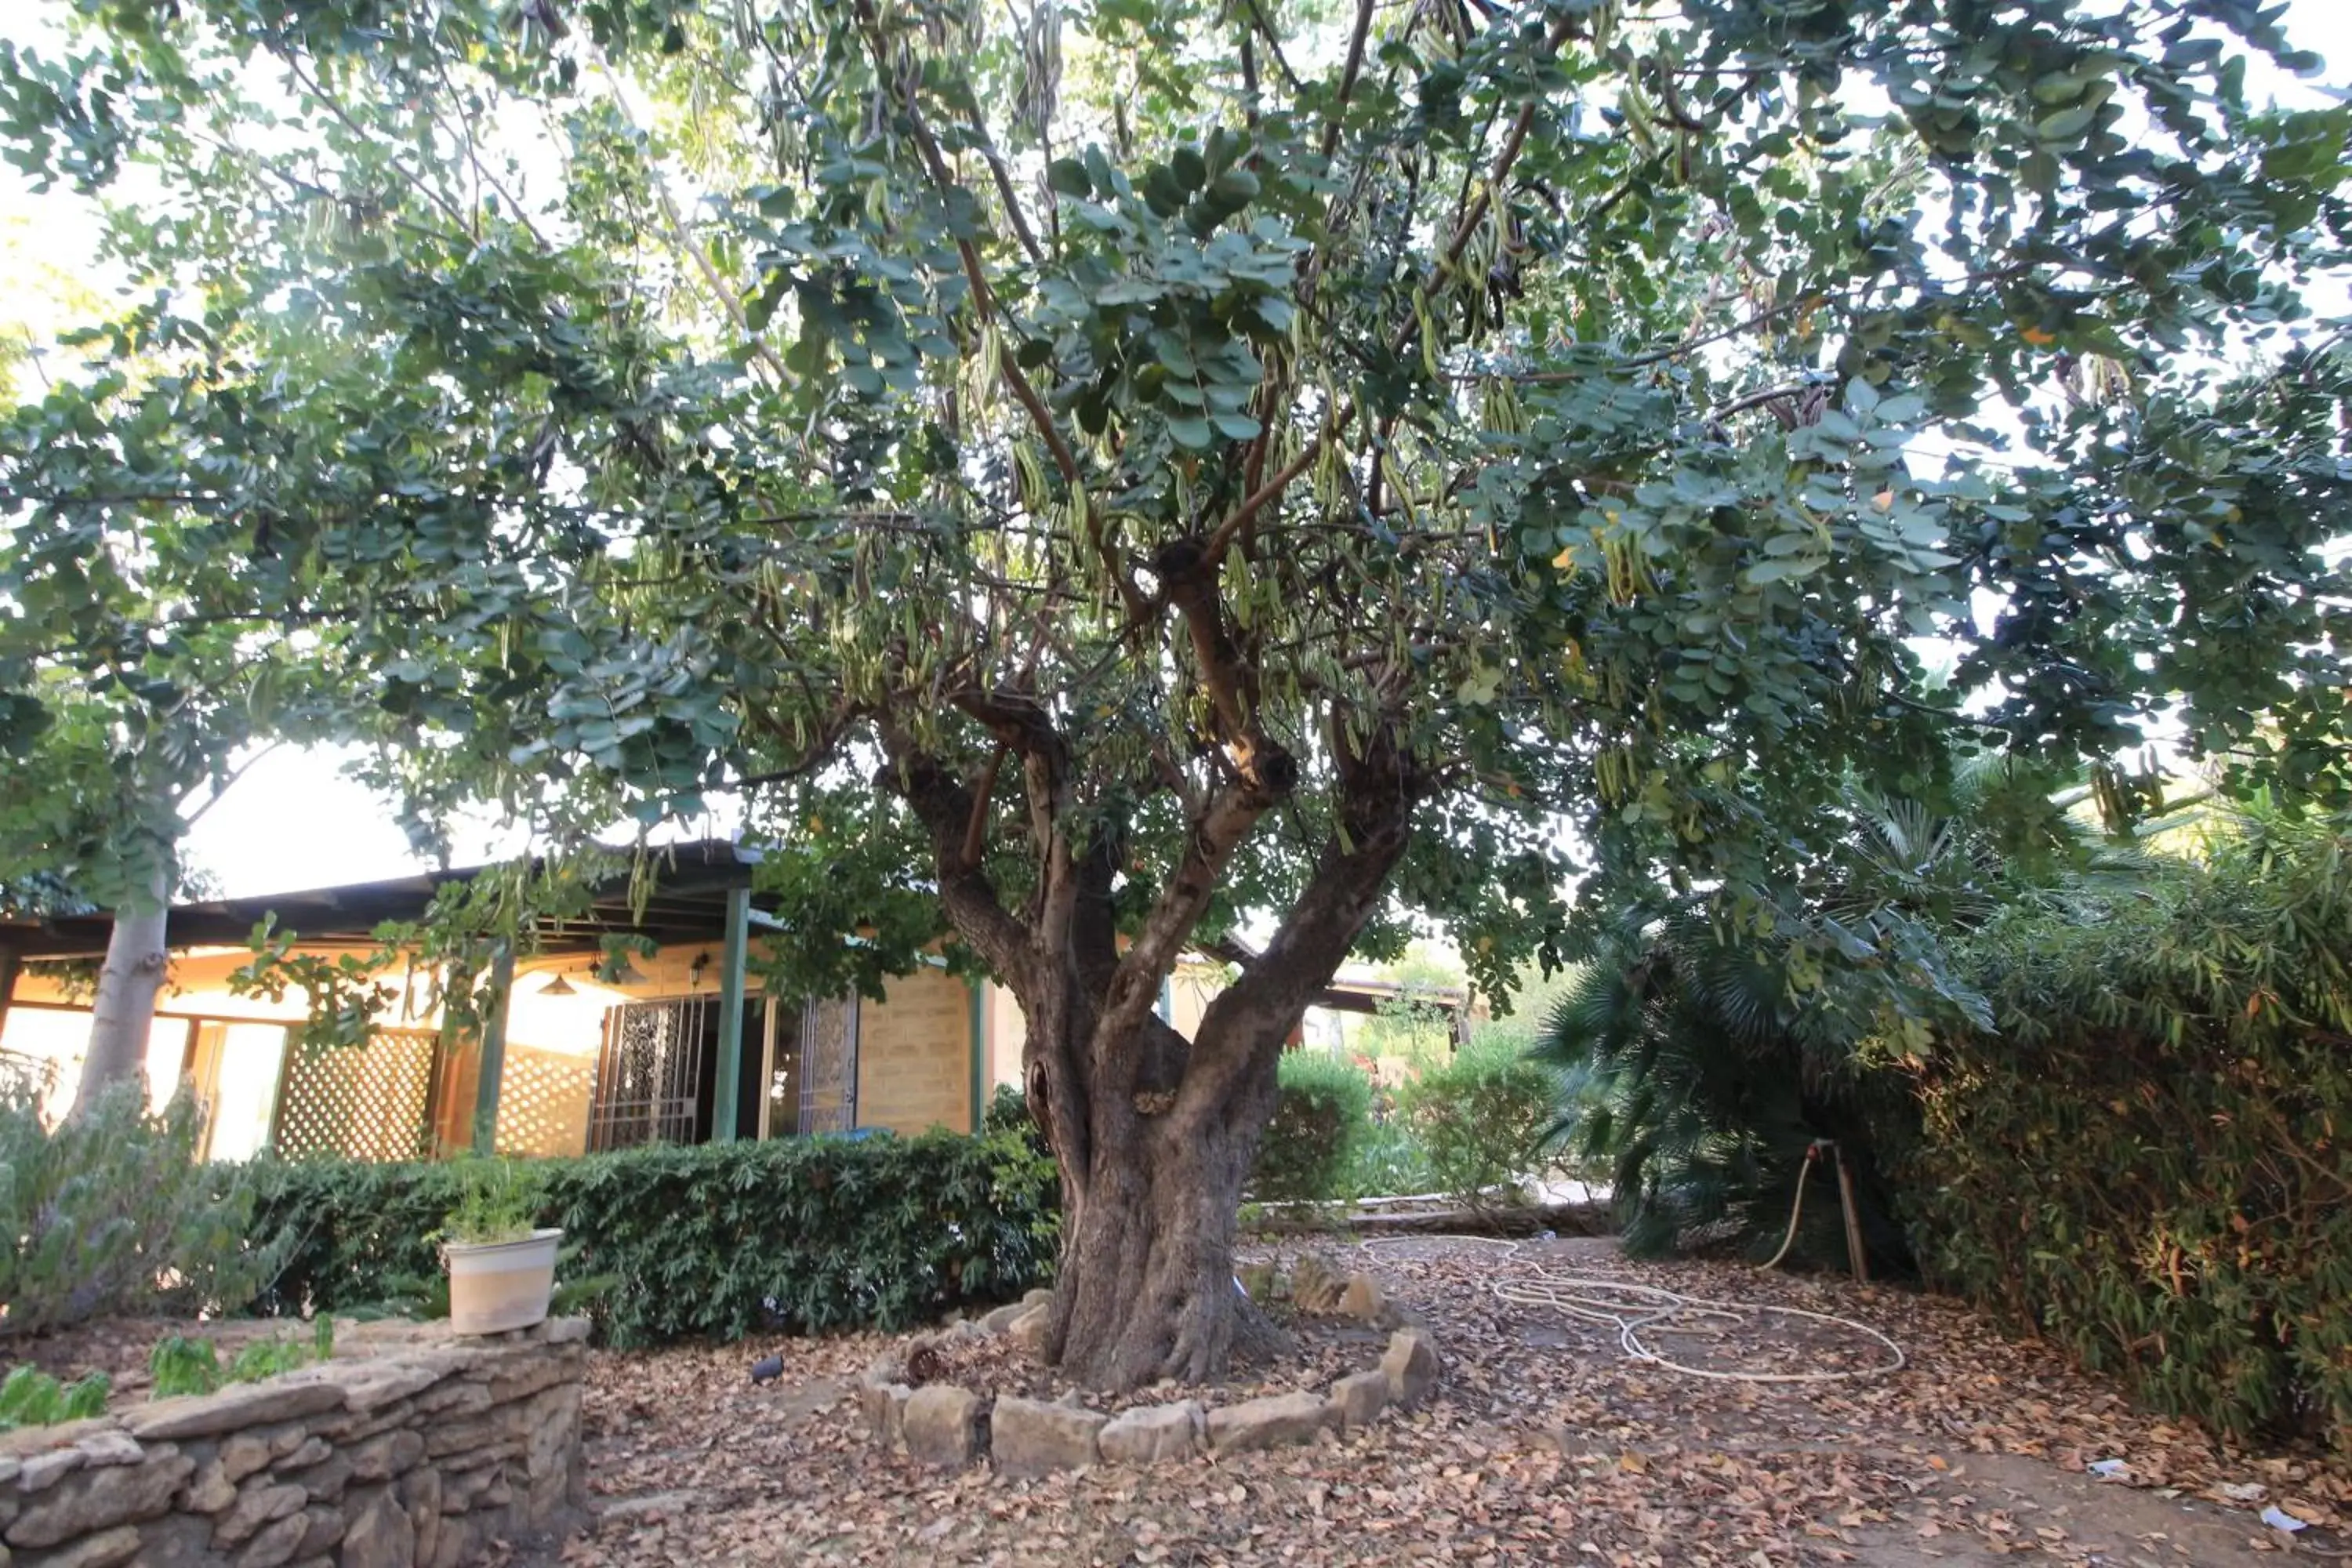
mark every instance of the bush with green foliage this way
{"type": "Point", "coordinates": [1322, 1113]}
{"type": "Point", "coordinates": [709, 1241]}
{"type": "Point", "coordinates": [2148, 1156]}
{"type": "Point", "coordinates": [29, 1398]}
{"type": "Point", "coordinates": [111, 1213]}
{"type": "Point", "coordinates": [179, 1364]}
{"type": "Point", "coordinates": [1480, 1119]}
{"type": "Point", "coordinates": [1387, 1162]}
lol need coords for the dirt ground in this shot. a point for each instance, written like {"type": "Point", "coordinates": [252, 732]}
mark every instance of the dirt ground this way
{"type": "Point", "coordinates": [1546, 1445]}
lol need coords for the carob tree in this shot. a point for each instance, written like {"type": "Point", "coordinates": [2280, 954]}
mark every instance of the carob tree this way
{"type": "Point", "coordinates": [1194, 473]}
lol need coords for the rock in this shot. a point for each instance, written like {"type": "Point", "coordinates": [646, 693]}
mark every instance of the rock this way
{"type": "Point", "coordinates": [324, 1480]}
{"type": "Point", "coordinates": [262, 1503]}
{"type": "Point", "coordinates": [1028, 1330]}
{"type": "Point", "coordinates": [276, 1545]}
{"type": "Point", "coordinates": [568, 1331]}
{"type": "Point", "coordinates": [323, 1528]}
{"type": "Point", "coordinates": [101, 1498]}
{"type": "Point", "coordinates": [1267, 1423]}
{"type": "Point", "coordinates": [374, 1388]}
{"type": "Point", "coordinates": [943, 1426]}
{"type": "Point", "coordinates": [1152, 1433]}
{"type": "Point", "coordinates": [379, 1535]}
{"type": "Point", "coordinates": [1026, 1437]}
{"type": "Point", "coordinates": [999, 1321]}
{"type": "Point", "coordinates": [884, 1409]}
{"type": "Point", "coordinates": [420, 1493]}
{"type": "Point", "coordinates": [385, 1454]}
{"type": "Point", "coordinates": [211, 1491]}
{"type": "Point", "coordinates": [242, 1454]}
{"type": "Point", "coordinates": [176, 1541]}
{"type": "Point", "coordinates": [308, 1452]}
{"type": "Point", "coordinates": [1315, 1285]}
{"type": "Point", "coordinates": [103, 1550]}
{"type": "Point", "coordinates": [43, 1471]}
{"type": "Point", "coordinates": [1412, 1366]}
{"type": "Point", "coordinates": [27, 1441]}
{"type": "Point", "coordinates": [1039, 1296]}
{"type": "Point", "coordinates": [232, 1409]}
{"type": "Point", "coordinates": [1359, 1397]}
{"type": "Point", "coordinates": [102, 1448]}
{"type": "Point", "coordinates": [882, 1371]}
{"type": "Point", "coordinates": [1365, 1302]}
{"type": "Point", "coordinates": [455, 1547]}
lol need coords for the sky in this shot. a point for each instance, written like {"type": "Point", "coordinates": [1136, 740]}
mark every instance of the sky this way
{"type": "Point", "coordinates": [292, 820]}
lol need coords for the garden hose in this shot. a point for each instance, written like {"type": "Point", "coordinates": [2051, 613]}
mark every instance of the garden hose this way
{"type": "Point", "coordinates": [1633, 1309]}
{"type": "Point", "coordinates": [1811, 1154]}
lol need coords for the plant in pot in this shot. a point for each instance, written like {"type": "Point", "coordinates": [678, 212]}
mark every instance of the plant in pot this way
{"type": "Point", "coordinates": [502, 1262]}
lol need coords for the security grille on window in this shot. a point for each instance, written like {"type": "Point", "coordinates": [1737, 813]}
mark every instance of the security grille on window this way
{"type": "Point", "coordinates": [649, 1075]}
{"type": "Point", "coordinates": [812, 1069]}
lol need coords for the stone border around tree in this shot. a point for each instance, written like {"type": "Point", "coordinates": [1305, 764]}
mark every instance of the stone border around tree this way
{"type": "Point", "coordinates": [949, 1426]}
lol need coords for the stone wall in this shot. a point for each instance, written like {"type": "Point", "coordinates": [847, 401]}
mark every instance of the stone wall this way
{"type": "Point", "coordinates": [410, 1448]}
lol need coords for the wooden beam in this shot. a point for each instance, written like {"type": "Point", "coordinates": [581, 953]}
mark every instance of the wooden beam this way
{"type": "Point", "coordinates": [726, 1094]}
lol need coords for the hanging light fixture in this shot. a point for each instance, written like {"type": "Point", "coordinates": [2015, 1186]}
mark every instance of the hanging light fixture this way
{"type": "Point", "coordinates": [558, 986]}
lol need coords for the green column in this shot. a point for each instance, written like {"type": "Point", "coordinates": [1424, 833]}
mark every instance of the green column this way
{"type": "Point", "coordinates": [9, 964]}
{"type": "Point", "coordinates": [494, 1051]}
{"type": "Point", "coordinates": [727, 1092]}
{"type": "Point", "coordinates": [979, 1051]}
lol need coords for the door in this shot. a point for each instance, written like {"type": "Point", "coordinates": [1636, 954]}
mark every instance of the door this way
{"type": "Point", "coordinates": [653, 1085]}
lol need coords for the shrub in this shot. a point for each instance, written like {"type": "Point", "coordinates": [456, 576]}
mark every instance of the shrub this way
{"type": "Point", "coordinates": [2138, 1159]}
{"type": "Point", "coordinates": [1480, 1118]}
{"type": "Point", "coordinates": [111, 1213]}
{"type": "Point", "coordinates": [1387, 1162]}
{"type": "Point", "coordinates": [709, 1241]}
{"type": "Point", "coordinates": [1322, 1112]}
{"type": "Point", "coordinates": [32, 1398]}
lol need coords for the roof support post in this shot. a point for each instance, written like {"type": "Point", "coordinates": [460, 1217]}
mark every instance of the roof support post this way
{"type": "Point", "coordinates": [494, 1049]}
{"type": "Point", "coordinates": [9, 966]}
{"type": "Point", "coordinates": [978, 1052]}
{"type": "Point", "coordinates": [727, 1092]}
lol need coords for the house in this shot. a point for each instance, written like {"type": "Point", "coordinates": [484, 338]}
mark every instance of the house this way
{"type": "Point", "coordinates": [685, 1048]}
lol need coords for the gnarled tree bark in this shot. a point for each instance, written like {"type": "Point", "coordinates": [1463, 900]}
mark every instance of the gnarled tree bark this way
{"type": "Point", "coordinates": [1154, 1135]}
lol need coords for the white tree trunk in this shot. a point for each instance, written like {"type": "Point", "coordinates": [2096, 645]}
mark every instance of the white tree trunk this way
{"type": "Point", "coordinates": [124, 1010]}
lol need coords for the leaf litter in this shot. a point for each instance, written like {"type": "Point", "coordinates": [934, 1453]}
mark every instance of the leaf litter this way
{"type": "Point", "coordinates": [1545, 1445]}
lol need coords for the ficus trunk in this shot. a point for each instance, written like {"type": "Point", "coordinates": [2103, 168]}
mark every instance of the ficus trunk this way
{"type": "Point", "coordinates": [123, 1012]}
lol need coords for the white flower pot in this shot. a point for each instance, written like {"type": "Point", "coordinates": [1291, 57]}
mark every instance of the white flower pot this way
{"type": "Point", "coordinates": [499, 1285]}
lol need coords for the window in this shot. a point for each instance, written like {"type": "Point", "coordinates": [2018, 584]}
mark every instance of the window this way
{"type": "Point", "coordinates": [812, 1068]}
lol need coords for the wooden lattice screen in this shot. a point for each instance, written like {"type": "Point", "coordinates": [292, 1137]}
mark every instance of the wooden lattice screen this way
{"type": "Point", "coordinates": [359, 1102]}
{"type": "Point", "coordinates": [543, 1101]}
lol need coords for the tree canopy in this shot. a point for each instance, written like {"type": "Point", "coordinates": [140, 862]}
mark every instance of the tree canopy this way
{"type": "Point", "coordinates": [1096, 476]}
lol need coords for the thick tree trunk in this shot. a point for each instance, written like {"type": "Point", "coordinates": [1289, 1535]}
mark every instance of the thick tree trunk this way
{"type": "Point", "coordinates": [124, 1010]}
{"type": "Point", "coordinates": [1147, 1288]}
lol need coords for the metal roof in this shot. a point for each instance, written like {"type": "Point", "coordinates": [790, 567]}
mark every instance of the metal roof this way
{"type": "Point", "coordinates": [687, 903]}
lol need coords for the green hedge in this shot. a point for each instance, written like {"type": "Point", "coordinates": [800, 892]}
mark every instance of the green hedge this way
{"type": "Point", "coordinates": [1480, 1117]}
{"type": "Point", "coordinates": [2151, 1160]}
{"type": "Point", "coordinates": [1322, 1113]}
{"type": "Point", "coordinates": [711, 1241]}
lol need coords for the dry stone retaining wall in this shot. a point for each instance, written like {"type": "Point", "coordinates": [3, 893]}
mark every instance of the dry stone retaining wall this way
{"type": "Point", "coordinates": [410, 1448]}
{"type": "Point", "coordinates": [942, 1425]}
